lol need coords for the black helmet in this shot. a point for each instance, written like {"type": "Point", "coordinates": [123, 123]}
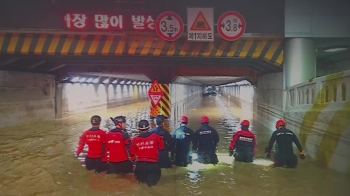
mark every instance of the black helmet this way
{"type": "Point", "coordinates": [143, 125]}
{"type": "Point", "coordinates": [160, 119]}
{"type": "Point", "coordinates": [119, 119]}
{"type": "Point", "coordinates": [95, 120]}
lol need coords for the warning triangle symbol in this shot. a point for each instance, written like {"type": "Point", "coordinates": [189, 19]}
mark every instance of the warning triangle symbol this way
{"type": "Point", "coordinates": [200, 23]}
{"type": "Point", "coordinates": [155, 88]}
{"type": "Point", "coordinates": [155, 99]}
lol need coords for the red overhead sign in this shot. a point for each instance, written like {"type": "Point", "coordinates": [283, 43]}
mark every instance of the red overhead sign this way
{"type": "Point", "coordinates": [109, 22]}
{"type": "Point", "coordinates": [155, 93]}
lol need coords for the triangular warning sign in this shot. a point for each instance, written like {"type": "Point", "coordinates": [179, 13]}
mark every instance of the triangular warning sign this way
{"type": "Point", "coordinates": [200, 23]}
{"type": "Point", "coordinates": [156, 99]}
{"type": "Point", "coordinates": [155, 88]}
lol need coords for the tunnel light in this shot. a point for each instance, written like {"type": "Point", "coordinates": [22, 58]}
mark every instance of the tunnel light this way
{"type": "Point", "coordinates": [96, 80]}
{"type": "Point", "coordinates": [338, 49]}
{"type": "Point", "coordinates": [139, 83]}
{"type": "Point", "coordinates": [122, 82]}
{"type": "Point", "coordinates": [128, 82]}
{"type": "Point", "coordinates": [89, 80]}
{"type": "Point", "coordinates": [134, 83]}
{"type": "Point", "coordinates": [106, 81]}
{"type": "Point", "coordinates": [75, 79]}
{"type": "Point", "coordinates": [82, 80]}
{"type": "Point", "coordinates": [115, 81]}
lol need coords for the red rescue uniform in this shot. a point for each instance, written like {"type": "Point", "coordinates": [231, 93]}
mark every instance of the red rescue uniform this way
{"type": "Point", "coordinates": [146, 147]}
{"type": "Point", "coordinates": [244, 140]}
{"type": "Point", "coordinates": [116, 145]}
{"type": "Point", "coordinates": [95, 138]}
{"type": "Point", "coordinates": [245, 144]}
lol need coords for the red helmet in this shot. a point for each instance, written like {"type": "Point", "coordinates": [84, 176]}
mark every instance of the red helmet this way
{"type": "Point", "coordinates": [245, 123]}
{"type": "Point", "coordinates": [280, 123]}
{"type": "Point", "coordinates": [184, 119]}
{"type": "Point", "coordinates": [285, 122]}
{"type": "Point", "coordinates": [205, 119]}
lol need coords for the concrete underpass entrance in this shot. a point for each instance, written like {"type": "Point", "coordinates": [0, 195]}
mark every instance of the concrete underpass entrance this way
{"type": "Point", "coordinates": [56, 71]}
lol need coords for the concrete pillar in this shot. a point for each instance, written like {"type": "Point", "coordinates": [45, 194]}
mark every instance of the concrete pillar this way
{"type": "Point", "coordinates": [58, 100]}
{"type": "Point", "coordinates": [299, 61]}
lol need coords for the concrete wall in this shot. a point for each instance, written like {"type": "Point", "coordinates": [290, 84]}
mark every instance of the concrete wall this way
{"type": "Point", "coordinates": [317, 18]}
{"type": "Point", "coordinates": [25, 97]}
{"type": "Point", "coordinates": [270, 99]}
{"type": "Point", "coordinates": [183, 98]}
{"type": "Point", "coordinates": [265, 100]}
{"type": "Point", "coordinates": [81, 97]}
{"type": "Point", "coordinates": [318, 111]}
{"type": "Point", "coordinates": [245, 97]}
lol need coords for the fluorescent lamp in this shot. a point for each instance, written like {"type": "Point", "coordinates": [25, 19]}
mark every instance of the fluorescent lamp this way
{"type": "Point", "coordinates": [335, 49]}
{"type": "Point", "coordinates": [89, 80]}
{"type": "Point", "coordinates": [82, 80]}
{"type": "Point", "coordinates": [75, 79]}
{"type": "Point", "coordinates": [96, 80]}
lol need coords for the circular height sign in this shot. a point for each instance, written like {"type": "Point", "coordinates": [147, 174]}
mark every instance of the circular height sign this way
{"type": "Point", "coordinates": [231, 25]}
{"type": "Point", "coordinates": [169, 26]}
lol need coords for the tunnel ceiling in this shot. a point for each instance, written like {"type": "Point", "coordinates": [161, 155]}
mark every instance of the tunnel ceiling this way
{"type": "Point", "coordinates": [130, 67]}
{"type": "Point", "coordinates": [330, 58]}
{"type": "Point", "coordinates": [207, 80]}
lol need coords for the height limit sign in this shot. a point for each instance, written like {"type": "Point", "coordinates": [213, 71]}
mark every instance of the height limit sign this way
{"type": "Point", "coordinates": [169, 26]}
{"type": "Point", "coordinates": [231, 26]}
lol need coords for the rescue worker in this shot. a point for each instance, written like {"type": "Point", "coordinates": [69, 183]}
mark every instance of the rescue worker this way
{"type": "Point", "coordinates": [95, 138]}
{"type": "Point", "coordinates": [164, 157]}
{"type": "Point", "coordinates": [117, 147]}
{"type": "Point", "coordinates": [276, 145]}
{"type": "Point", "coordinates": [245, 144]}
{"type": "Point", "coordinates": [182, 138]}
{"type": "Point", "coordinates": [205, 143]}
{"type": "Point", "coordinates": [145, 148]}
{"type": "Point", "coordinates": [285, 139]}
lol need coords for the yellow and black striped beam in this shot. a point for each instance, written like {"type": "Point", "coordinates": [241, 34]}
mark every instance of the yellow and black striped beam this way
{"type": "Point", "coordinates": [165, 105]}
{"type": "Point", "coordinates": [268, 49]}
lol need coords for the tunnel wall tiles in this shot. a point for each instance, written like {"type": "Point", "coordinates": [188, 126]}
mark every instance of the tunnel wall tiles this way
{"type": "Point", "coordinates": [78, 98]}
{"type": "Point", "coordinates": [183, 98]}
{"type": "Point", "coordinates": [318, 111]}
{"type": "Point", "coordinates": [26, 97]}
{"type": "Point", "coordinates": [267, 49]}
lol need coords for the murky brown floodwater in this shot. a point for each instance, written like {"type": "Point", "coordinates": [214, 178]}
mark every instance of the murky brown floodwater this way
{"type": "Point", "coordinates": [37, 159]}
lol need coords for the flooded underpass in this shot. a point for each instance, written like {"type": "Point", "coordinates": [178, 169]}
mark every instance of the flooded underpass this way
{"type": "Point", "coordinates": [38, 159]}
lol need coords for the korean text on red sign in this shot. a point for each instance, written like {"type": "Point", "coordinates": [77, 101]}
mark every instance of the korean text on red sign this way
{"type": "Point", "coordinates": [113, 22]}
